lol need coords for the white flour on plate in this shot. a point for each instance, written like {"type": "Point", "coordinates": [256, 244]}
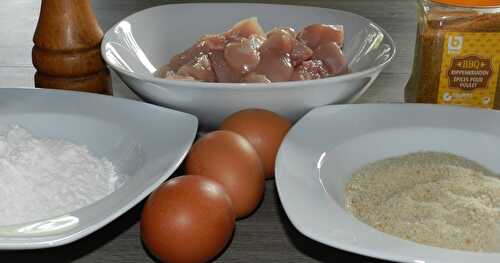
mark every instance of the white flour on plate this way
{"type": "Point", "coordinates": [43, 178]}
{"type": "Point", "coordinates": [432, 198]}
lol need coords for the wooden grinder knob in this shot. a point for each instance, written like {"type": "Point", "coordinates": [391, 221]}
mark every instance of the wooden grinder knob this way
{"type": "Point", "coordinates": [67, 48]}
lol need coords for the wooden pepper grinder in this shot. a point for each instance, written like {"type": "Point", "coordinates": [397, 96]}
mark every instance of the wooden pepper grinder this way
{"type": "Point", "coordinates": [67, 48]}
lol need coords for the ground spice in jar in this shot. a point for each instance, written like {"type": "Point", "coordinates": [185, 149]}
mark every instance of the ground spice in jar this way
{"type": "Point", "coordinates": [457, 54]}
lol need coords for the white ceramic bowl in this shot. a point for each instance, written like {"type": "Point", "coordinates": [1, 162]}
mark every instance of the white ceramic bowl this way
{"type": "Point", "coordinates": [141, 43]}
{"type": "Point", "coordinates": [323, 150]}
{"type": "Point", "coordinates": [146, 150]}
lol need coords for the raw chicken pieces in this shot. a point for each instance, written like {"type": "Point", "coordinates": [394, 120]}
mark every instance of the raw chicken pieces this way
{"type": "Point", "coordinates": [331, 55]}
{"type": "Point", "coordinates": [255, 78]}
{"type": "Point", "coordinates": [315, 35]}
{"type": "Point", "coordinates": [199, 68]}
{"type": "Point", "coordinates": [245, 28]}
{"type": "Point", "coordinates": [311, 69]}
{"type": "Point", "coordinates": [222, 69]}
{"type": "Point", "coordinates": [246, 54]}
{"type": "Point", "coordinates": [243, 55]}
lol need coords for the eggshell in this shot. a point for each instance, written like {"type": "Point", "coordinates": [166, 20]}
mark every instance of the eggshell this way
{"type": "Point", "coordinates": [187, 219]}
{"type": "Point", "coordinates": [264, 129]}
{"type": "Point", "coordinates": [230, 159]}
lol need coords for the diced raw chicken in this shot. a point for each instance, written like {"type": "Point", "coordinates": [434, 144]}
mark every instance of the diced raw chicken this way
{"type": "Point", "coordinates": [245, 28]}
{"type": "Point", "coordinates": [256, 41]}
{"type": "Point", "coordinates": [315, 35]}
{"type": "Point", "coordinates": [223, 71]}
{"type": "Point", "coordinates": [275, 62]}
{"type": "Point", "coordinates": [253, 77]}
{"type": "Point", "coordinates": [300, 52]}
{"type": "Point", "coordinates": [278, 41]}
{"type": "Point", "coordinates": [331, 55]}
{"type": "Point", "coordinates": [276, 67]}
{"type": "Point", "coordinates": [172, 75]}
{"type": "Point", "coordinates": [311, 69]}
{"type": "Point", "coordinates": [214, 42]}
{"type": "Point", "coordinates": [199, 68]}
{"type": "Point", "coordinates": [246, 54]}
{"type": "Point", "coordinates": [188, 55]}
{"type": "Point", "coordinates": [242, 56]}
{"type": "Point", "coordinates": [289, 30]}
{"type": "Point", "coordinates": [283, 40]}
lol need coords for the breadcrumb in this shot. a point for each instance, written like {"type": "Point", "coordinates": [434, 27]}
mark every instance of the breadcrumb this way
{"type": "Point", "coordinates": [432, 198]}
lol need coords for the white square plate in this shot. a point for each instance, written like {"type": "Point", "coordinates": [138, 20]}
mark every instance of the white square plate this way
{"type": "Point", "coordinates": [145, 142]}
{"type": "Point", "coordinates": [321, 152]}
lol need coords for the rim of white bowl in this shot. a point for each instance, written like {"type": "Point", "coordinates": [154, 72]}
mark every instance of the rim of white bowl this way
{"type": "Point", "coordinates": [224, 85]}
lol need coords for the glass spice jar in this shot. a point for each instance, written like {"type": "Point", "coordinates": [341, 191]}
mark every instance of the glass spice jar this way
{"type": "Point", "coordinates": [457, 54]}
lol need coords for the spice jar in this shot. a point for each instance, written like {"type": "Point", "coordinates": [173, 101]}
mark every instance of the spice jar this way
{"type": "Point", "coordinates": [457, 54]}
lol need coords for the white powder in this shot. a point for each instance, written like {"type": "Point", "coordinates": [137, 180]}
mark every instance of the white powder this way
{"type": "Point", "coordinates": [43, 178]}
{"type": "Point", "coordinates": [431, 198]}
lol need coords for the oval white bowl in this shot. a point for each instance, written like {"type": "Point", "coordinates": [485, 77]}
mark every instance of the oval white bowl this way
{"type": "Point", "coordinates": [323, 150]}
{"type": "Point", "coordinates": [141, 43]}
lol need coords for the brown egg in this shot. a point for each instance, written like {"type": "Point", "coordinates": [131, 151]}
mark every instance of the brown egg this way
{"type": "Point", "coordinates": [230, 159]}
{"type": "Point", "coordinates": [187, 219]}
{"type": "Point", "coordinates": [264, 129]}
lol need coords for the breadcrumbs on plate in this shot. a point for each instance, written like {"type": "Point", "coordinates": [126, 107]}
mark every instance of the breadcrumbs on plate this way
{"type": "Point", "coordinates": [432, 198]}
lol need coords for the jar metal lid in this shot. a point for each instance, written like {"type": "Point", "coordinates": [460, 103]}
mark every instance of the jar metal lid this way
{"type": "Point", "coordinates": [470, 3]}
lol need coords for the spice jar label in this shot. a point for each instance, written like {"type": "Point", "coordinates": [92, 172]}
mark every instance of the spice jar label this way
{"type": "Point", "coordinates": [469, 69]}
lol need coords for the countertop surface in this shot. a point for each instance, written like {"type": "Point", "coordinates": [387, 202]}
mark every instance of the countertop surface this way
{"type": "Point", "coordinates": [266, 236]}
